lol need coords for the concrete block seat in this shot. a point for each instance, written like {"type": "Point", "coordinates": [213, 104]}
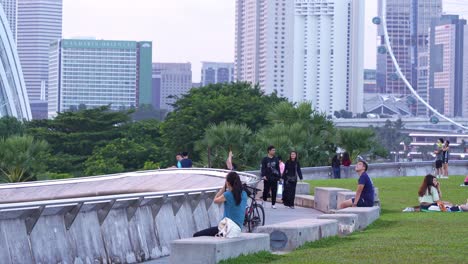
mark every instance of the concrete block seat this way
{"type": "Point", "coordinates": [304, 200]}
{"type": "Point", "coordinates": [346, 222]}
{"type": "Point", "coordinates": [366, 215]}
{"type": "Point", "coordinates": [290, 235]}
{"type": "Point", "coordinates": [211, 250]}
{"type": "Point", "coordinates": [326, 198]}
{"type": "Point", "coordinates": [302, 188]}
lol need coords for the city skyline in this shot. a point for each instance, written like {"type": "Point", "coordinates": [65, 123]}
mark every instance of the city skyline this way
{"type": "Point", "coordinates": [207, 26]}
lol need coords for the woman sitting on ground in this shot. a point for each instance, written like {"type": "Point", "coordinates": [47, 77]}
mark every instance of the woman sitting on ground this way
{"type": "Point", "coordinates": [429, 192]}
{"type": "Point", "coordinates": [235, 201]}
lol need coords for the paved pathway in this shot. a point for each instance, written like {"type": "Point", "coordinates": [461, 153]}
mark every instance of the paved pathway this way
{"type": "Point", "coordinates": [272, 216]}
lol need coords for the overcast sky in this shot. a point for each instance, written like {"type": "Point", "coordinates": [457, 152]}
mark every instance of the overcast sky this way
{"type": "Point", "coordinates": [181, 30]}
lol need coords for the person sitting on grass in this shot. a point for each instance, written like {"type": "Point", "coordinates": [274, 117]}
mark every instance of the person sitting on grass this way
{"type": "Point", "coordinates": [365, 189]}
{"type": "Point", "coordinates": [466, 181]}
{"type": "Point", "coordinates": [429, 192]}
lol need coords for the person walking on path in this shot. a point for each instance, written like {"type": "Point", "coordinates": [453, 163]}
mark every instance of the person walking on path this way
{"type": "Point", "coordinates": [365, 189]}
{"type": "Point", "coordinates": [292, 171]}
{"type": "Point", "coordinates": [445, 158]}
{"type": "Point", "coordinates": [336, 166]}
{"type": "Point", "coordinates": [270, 175]}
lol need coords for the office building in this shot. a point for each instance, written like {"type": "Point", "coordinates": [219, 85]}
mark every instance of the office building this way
{"type": "Point", "coordinates": [10, 8]}
{"type": "Point", "coordinates": [39, 23]}
{"type": "Point", "coordinates": [408, 23]}
{"type": "Point", "coordinates": [13, 95]}
{"type": "Point", "coordinates": [448, 64]}
{"type": "Point", "coordinates": [92, 73]}
{"type": "Point", "coordinates": [171, 80]}
{"type": "Point", "coordinates": [216, 72]}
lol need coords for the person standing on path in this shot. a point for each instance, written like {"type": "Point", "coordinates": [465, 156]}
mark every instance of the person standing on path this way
{"type": "Point", "coordinates": [292, 171]}
{"type": "Point", "coordinates": [270, 175]}
{"type": "Point", "coordinates": [346, 162]}
{"type": "Point", "coordinates": [336, 166]}
{"type": "Point", "coordinates": [365, 189]}
{"type": "Point", "coordinates": [445, 158]}
{"type": "Point", "coordinates": [186, 162]}
{"type": "Point", "coordinates": [439, 158]}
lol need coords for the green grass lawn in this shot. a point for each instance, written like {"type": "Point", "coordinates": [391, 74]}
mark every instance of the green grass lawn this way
{"type": "Point", "coordinates": [395, 237]}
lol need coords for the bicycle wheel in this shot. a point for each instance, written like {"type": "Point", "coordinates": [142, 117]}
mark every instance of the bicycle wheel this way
{"type": "Point", "coordinates": [256, 217]}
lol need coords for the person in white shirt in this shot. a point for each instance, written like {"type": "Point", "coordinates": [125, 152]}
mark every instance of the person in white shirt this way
{"type": "Point", "coordinates": [429, 192]}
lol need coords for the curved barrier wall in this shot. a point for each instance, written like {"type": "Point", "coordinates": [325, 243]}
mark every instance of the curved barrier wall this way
{"type": "Point", "coordinates": [13, 95]}
{"type": "Point", "coordinates": [120, 228]}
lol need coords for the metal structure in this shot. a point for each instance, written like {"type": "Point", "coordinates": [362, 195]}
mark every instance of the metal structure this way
{"type": "Point", "coordinates": [403, 77]}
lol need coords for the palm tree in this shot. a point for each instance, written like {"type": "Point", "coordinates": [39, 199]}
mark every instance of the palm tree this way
{"type": "Point", "coordinates": [221, 138]}
{"type": "Point", "coordinates": [21, 158]}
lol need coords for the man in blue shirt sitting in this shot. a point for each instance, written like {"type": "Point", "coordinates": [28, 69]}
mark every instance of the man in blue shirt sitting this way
{"type": "Point", "coordinates": [365, 189]}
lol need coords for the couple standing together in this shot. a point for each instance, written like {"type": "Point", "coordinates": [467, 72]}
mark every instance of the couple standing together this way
{"type": "Point", "coordinates": [272, 174]}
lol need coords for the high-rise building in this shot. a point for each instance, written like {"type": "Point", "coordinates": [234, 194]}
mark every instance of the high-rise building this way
{"type": "Point", "coordinates": [329, 54]}
{"type": "Point", "coordinates": [408, 23]}
{"type": "Point", "coordinates": [370, 85]}
{"type": "Point", "coordinates": [297, 48]}
{"type": "Point", "coordinates": [10, 8]}
{"type": "Point", "coordinates": [39, 23]}
{"type": "Point", "coordinates": [264, 44]}
{"type": "Point", "coordinates": [448, 64]}
{"type": "Point", "coordinates": [92, 73]}
{"type": "Point", "coordinates": [13, 96]}
{"type": "Point", "coordinates": [172, 80]}
{"type": "Point", "coordinates": [216, 72]}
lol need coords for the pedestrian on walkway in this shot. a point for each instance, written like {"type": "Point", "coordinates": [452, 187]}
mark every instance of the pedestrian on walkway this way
{"type": "Point", "coordinates": [336, 166]}
{"type": "Point", "coordinates": [445, 158]}
{"type": "Point", "coordinates": [270, 175]}
{"type": "Point", "coordinates": [365, 189]}
{"type": "Point", "coordinates": [186, 162]}
{"type": "Point", "coordinates": [292, 172]}
{"type": "Point", "coordinates": [439, 158]}
{"type": "Point", "coordinates": [346, 162]}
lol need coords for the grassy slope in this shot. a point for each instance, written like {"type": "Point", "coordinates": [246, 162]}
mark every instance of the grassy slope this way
{"type": "Point", "coordinates": [396, 237]}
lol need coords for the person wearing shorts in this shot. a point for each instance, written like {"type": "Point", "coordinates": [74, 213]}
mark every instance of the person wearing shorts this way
{"type": "Point", "coordinates": [365, 189]}
{"type": "Point", "coordinates": [439, 158]}
{"type": "Point", "coordinates": [445, 158]}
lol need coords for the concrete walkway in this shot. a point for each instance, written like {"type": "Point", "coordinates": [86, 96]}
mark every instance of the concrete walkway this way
{"type": "Point", "coordinates": [272, 216]}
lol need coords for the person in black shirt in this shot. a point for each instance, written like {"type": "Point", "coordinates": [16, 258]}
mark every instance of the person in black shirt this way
{"type": "Point", "coordinates": [185, 162]}
{"type": "Point", "coordinates": [292, 171]}
{"type": "Point", "coordinates": [270, 175]}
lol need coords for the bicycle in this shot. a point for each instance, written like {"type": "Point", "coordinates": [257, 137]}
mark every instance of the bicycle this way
{"type": "Point", "coordinates": [254, 213]}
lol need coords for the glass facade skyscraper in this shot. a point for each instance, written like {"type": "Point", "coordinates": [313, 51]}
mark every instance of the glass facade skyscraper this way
{"type": "Point", "coordinates": [98, 72]}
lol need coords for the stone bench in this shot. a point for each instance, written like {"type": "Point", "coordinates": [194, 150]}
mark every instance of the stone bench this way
{"type": "Point", "coordinates": [290, 235]}
{"type": "Point", "coordinates": [304, 200]}
{"type": "Point", "coordinates": [346, 222]}
{"type": "Point", "coordinates": [302, 188]}
{"type": "Point", "coordinates": [211, 250]}
{"type": "Point", "coordinates": [326, 198]}
{"type": "Point", "coordinates": [366, 215]}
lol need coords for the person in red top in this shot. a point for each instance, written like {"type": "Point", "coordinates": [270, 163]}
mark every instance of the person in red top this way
{"type": "Point", "coordinates": [346, 162]}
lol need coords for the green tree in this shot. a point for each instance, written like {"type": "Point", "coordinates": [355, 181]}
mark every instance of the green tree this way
{"type": "Point", "coordinates": [21, 158]}
{"type": "Point", "coordinates": [219, 139]}
{"type": "Point", "coordinates": [359, 141]}
{"type": "Point", "coordinates": [390, 135]}
{"type": "Point", "coordinates": [73, 136]}
{"type": "Point", "coordinates": [299, 128]}
{"type": "Point", "coordinates": [10, 126]}
{"type": "Point", "coordinates": [138, 146]}
{"type": "Point", "coordinates": [238, 103]}
{"type": "Point", "coordinates": [147, 111]}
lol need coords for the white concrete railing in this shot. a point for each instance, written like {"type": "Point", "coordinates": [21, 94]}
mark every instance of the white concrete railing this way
{"type": "Point", "coordinates": [121, 228]}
